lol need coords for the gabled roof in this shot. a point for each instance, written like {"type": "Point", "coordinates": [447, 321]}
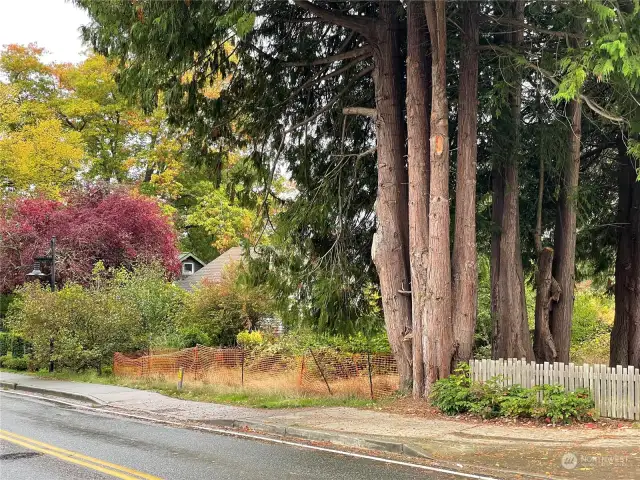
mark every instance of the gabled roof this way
{"type": "Point", "coordinates": [185, 255]}
{"type": "Point", "coordinates": [212, 271]}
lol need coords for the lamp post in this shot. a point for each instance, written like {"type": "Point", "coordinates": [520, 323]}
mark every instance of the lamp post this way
{"type": "Point", "coordinates": [51, 259]}
{"type": "Point", "coordinates": [38, 275]}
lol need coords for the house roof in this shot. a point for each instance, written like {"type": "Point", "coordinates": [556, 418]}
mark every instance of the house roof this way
{"type": "Point", "coordinates": [212, 271]}
{"type": "Point", "coordinates": [185, 255]}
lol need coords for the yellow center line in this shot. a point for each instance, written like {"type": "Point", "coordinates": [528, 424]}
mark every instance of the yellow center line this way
{"type": "Point", "coordinates": [102, 466]}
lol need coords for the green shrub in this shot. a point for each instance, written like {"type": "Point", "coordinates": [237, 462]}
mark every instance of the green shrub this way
{"type": "Point", "coordinates": [458, 394]}
{"type": "Point", "coordinates": [86, 325]}
{"type": "Point", "coordinates": [518, 402]}
{"type": "Point", "coordinates": [250, 339]}
{"type": "Point", "coordinates": [191, 336]}
{"type": "Point", "coordinates": [13, 363]}
{"type": "Point", "coordinates": [156, 301]}
{"type": "Point", "coordinates": [120, 311]}
{"type": "Point", "coordinates": [452, 395]}
{"type": "Point", "coordinates": [12, 344]}
{"type": "Point", "coordinates": [560, 406]}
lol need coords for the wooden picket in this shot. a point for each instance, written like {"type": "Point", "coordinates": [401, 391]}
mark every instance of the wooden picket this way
{"type": "Point", "coordinates": [615, 391]}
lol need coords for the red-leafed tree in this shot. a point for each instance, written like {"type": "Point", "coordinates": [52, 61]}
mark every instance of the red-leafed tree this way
{"type": "Point", "coordinates": [115, 227]}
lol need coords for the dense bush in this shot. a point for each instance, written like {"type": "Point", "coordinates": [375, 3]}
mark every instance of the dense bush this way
{"type": "Point", "coordinates": [124, 311]}
{"type": "Point", "coordinates": [458, 394]}
{"type": "Point", "coordinates": [14, 363]}
{"type": "Point", "coordinates": [156, 301]}
{"type": "Point", "coordinates": [217, 312]}
{"type": "Point", "coordinates": [250, 339]}
{"type": "Point", "coordinates": [11, 344]}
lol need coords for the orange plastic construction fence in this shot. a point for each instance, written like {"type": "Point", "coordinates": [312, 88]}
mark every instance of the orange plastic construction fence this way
{"type": "Point", "coordinates": [316, 372]}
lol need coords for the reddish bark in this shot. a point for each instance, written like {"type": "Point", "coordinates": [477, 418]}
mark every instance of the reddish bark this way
{"type": "Point", "coordinates": [418, 165]}
{"type": "Point", "coordinates": [564, 262]}
{"type": "Point", "coordinates": [464, 266]}
{"type": "Point", "coordinates": [625, 335]}
{"type": "Point", "coordinates": [439, 344]}
{"type": "Point", "coordinates": [511, 337]}
{"type": "Point", "coordinates": [547, 292]}
{"type": "Point", "coordinates": [390, 246]}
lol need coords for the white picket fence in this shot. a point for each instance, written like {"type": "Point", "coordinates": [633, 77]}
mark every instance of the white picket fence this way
{"type": "Point", "coordinates": [615, 391]}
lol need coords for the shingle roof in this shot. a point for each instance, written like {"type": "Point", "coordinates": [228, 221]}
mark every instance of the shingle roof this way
{"type": "Point", "coordinates": [213, 270]}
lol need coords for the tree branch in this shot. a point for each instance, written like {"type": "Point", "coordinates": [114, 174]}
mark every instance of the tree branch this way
{"type": "Point", "coordinates": [356, 52]}
{"type": "Point", "coordinates": [316, 79]}
{"type": "Point", "coordinates": [549, 76]}
{"type": "Point", "coordinates": [331, 102]}
{"type": "Point", "coordinates": [362, 25]}
{"type": "Point", "coordinates": [516, 23]}
{"type": "Point", "coordinates": [358, 156]}
{"type": "Point", "coordinates": [364, 111]}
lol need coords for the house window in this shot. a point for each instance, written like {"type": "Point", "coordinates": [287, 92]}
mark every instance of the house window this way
{"type": "Point", "coordinates": [187, 268]}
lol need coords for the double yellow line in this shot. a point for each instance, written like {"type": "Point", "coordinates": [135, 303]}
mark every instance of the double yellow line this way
{"type": "Point", "coordinates": [96, 464]}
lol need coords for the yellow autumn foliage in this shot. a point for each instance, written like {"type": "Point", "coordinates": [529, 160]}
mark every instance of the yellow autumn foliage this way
{"type": "Point", "coordinates": [43, 157]}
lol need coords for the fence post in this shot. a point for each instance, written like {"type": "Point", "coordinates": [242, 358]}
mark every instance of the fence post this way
{"type": "Point", "coordinates": [370, 373]}
{"type": "Point", "coordinates": [321, 371]}
{"type": "Point", "coordinates": [301, 371]}
{"type": "Point", "coordinates": [180, 377]}
{"type": "Point", "coordinates": [242, 366]}
{"type": "Point", "coordinates": [50, 354]}
{"type": "Point", "coordinates": [195, 362]}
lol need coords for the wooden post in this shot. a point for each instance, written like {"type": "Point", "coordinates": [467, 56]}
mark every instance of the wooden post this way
{"type": "Point", "coordinates": [301, 371]}
{"type": "Point", "coordinates": [321, 372]}
{"type": "Point", "coordinates": [242, 366]}
{"type": "Point", "coordinates": [370, 374]}
{"type": "Point", "coordinates": [195, 362]}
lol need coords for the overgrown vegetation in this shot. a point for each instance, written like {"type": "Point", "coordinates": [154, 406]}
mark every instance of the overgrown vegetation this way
{"type": "Point", "coordinates": [126, 311]}
{"type": "Point", "coordinates": [216, 312]}
{"type": "Point", "coordinates": [459, 394]}
{"type": "Point", "coordinates": [135, 310]}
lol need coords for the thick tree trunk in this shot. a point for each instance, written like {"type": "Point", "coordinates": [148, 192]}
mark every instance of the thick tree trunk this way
{"type": "Point", "coordinates": [634, 284]}
{"type": "Point", "coordinates": [464, 265]}
{"type": "Point", "coordinates": [439, 344]}
{"type": "Point", "coordinates": [390, 243]}
{"type": "Point", "coordinates": [547, 291]}
{"type": "Point", "coordinates": [511, 337]}
{"type": "Point", "coordinates": [564, 262]}
{"type": "Point", "coordinates": [625, 336]}
{"type": "Point", "coordinates": [619, 347]}
{"type": "Point", "coordinates": [418, 83]}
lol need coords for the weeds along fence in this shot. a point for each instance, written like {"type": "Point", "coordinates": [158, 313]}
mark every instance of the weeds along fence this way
{"type": "Point", "coordinates": [316, 372]}
{"type": "Point", "coordinates": [616, 391]}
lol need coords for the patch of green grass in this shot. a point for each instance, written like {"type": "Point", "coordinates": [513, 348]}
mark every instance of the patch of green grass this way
{"type": "Point", "coordinates": [212, 393]}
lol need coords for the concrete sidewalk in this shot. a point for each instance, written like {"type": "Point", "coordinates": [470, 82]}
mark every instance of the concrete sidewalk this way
{"type": "Point", "coordinates": [614, 452]}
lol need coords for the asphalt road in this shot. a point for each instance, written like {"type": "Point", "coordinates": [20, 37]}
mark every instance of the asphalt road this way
{"type": "Point", "coordinates": [40, 440]}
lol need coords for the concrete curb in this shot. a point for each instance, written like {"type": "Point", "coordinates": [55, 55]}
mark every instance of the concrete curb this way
{"type": "Point", "coordinates": [324, 436]}
{"type": "Point", "coordinates": [56, 393]}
